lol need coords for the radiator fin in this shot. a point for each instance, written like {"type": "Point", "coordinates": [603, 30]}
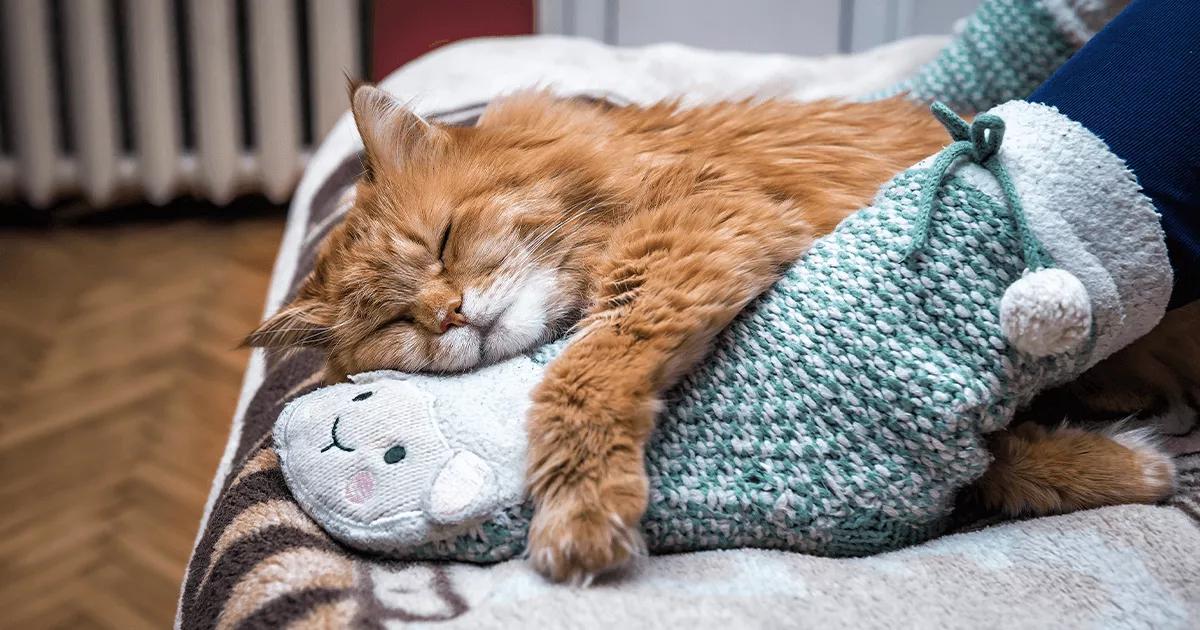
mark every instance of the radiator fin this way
{"type": "Point", "coordinates": [217, 107]}
{"type": "Point", "coordinates": [34, 103]}
{"type": "Point", "coordinates": [124, 96]}
{"type": "Point", "coordinates": [334, 35]}
{"type": "Point", "coordinates": [92, 85]}
{"type": "Point", "coordinates": [156, 112]}
{"type": "Point", "coordinates": [274, 74]}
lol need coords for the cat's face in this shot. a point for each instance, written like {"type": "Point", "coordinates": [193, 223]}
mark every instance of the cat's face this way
{"type": "Point", "coordinates": [463, 247]}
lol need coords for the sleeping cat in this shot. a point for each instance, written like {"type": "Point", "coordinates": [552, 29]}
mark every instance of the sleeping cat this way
{"type": "Point", "coordinates": [646, 230]}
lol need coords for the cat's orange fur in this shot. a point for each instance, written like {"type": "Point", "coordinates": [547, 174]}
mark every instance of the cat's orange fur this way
{"type": "Point", "coordinates": [1038, 470]}
{"type": "Point", "coordinates": [648, 228]}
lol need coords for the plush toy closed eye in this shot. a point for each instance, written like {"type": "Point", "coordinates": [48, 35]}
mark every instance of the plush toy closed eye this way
{"type": "Point", "coordinates": [837, 415]}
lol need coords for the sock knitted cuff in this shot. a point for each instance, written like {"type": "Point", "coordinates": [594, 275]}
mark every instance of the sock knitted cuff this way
{"type": "Point", "coordinates": [1087, 209]}
{"type": "Point", "coordinates": [1004, 50]}
{"type": "Point", "coordinates": [1081, 19]}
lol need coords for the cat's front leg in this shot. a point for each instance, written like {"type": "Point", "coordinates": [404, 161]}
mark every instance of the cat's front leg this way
{"type": "Point", "coordinates": [674, 279]}
{"type": "Point", "coordinates": [589, 423]}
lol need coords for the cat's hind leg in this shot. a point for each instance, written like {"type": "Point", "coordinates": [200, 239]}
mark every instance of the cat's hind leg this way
{"type": "Point", "coordinates": [1038, 470]}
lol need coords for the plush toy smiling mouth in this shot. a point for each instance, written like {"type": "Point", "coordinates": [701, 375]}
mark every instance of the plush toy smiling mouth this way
{"type": "Point", "coordinates": [335, 443]}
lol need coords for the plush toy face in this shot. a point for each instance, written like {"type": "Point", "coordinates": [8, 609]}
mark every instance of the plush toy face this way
{"type": "Point", "coordinates": [368, 448]}
{"type": "Point", "coordinates": [391, 461]}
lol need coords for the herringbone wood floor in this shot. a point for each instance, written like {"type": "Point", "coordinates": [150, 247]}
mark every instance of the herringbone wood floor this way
{"type": "Point", "coordinates": [118, 379]}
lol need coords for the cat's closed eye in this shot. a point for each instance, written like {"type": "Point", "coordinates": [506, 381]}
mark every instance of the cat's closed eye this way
{"type": "Point", "coordinates": [445, 239]}
{"type": "Point", "coordinates": [398, 319]}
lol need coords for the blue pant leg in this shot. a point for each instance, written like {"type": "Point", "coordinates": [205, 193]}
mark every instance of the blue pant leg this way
{"type": "Point", "coordinates": [1136, 85]}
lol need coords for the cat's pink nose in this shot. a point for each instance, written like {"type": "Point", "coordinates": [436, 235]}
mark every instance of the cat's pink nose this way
{"type": "Point", "coordinates": [454, 318]}
{"type": "Point", "coordinates": [361, 487]}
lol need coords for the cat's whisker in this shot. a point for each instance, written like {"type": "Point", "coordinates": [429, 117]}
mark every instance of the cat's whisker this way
{"type": "Point", "coordinates": [277, 334]}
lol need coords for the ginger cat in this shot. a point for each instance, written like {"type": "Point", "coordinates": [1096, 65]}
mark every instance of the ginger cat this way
{"type": "Point", "coordinates": [645, 228]}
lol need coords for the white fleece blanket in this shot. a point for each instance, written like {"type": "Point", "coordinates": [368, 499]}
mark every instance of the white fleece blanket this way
{"type": "Point", "coordinates": [260, 562]}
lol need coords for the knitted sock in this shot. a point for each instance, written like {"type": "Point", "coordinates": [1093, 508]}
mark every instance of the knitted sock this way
{"type": "Point", "coordinates": [838, 414]}
{"type": "Point", "coordinates": [1005, 50]}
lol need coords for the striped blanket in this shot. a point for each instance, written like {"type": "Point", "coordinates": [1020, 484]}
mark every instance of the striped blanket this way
{"type": "Point", "coordinates": [259, 561]}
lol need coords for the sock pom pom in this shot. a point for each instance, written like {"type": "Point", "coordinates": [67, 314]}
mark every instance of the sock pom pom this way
{"type": "Point", "coordinates": [1046, 312]}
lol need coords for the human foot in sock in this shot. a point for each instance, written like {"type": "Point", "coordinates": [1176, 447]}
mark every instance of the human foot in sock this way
{"type": "Point", "coordinates": [1005, 49]}
{"type": "Point", "coordinates": [1134, 85]}
{"type": "Point", "coordinates": [838, 415]}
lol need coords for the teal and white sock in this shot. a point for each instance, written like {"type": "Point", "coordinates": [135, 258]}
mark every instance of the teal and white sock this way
{"type": "Point", "coordinates": [839, 413]}
{"type": "Point", "coordinates": [1006, 49]}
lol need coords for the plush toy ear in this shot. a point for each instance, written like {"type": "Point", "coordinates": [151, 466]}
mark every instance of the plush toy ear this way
{"type": "Point", "coordinates": [464, 489]}
{"type": "Point", "coordinates": [390, 132]}
{"type": "Point", "coordinates": [304, 322]}
{"type": "Point", "coordinates": [363, 378]}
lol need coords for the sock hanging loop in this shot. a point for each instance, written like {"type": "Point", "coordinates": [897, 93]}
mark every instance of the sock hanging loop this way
{"type": "Point", "coordinates": [1047, 311]}
{"type": "Point", "coordinates": [978, 142]}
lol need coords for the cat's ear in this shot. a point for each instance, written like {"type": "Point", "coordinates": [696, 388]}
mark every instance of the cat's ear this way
{"type": "Point", "coordinates": [390, 132]}
{"type": "Point", "coordinates": [304, 322]}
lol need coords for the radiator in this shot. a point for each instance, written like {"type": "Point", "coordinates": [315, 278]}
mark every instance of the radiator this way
{"type": "Point", "coordinates": [115, 101]}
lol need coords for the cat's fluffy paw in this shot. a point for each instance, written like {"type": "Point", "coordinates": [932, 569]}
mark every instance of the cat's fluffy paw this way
{"type": "Point", "coordinates": [573, 540]}
{"type": "Point", "coordinates": [1038, 471]}
{"type": "Point", "coordinates": [1157, 480]}
{"type": "Point", "coordinates": [586, 474]}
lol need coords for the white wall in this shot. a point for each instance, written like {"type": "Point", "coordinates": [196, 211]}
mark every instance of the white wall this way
{"type": "Point", "coordinates": [804, 27]}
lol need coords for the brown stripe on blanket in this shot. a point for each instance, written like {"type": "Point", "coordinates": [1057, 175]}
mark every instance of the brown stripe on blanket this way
{"type": "Point", "coordinates": [252, 560]}
{"type": "Point", "coordinates": [1187, 492]}
{"type": "Point", "coordinates": [294, 579]}
{"type": "Point", "coordinates": [256, 518]}
{"type": "Point", "coordinates": [1187, 471]}
{"type": "Point", "coordinates": [307, 608]}
{"type": "Point", "coordinates": [280, 386]}
{"type": "Point", "coordinates": [251, 490]}
{"type": "Point", "coordinates": [1188, 506]}
{"type": "Point", "coordinates": [324, 214]}
{"type": "Point", "coordinates": [335, 614]}
{"type": "Point", "coordinates": [264, 459]}
{"type": "Point", "coordinates": [432, 596]}
{"type": "Point", "coordinates": [465, 115]}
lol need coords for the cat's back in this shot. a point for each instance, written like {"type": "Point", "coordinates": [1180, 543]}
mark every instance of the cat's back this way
{"type": "Point", "coordinates": [729, 126]}
{"type": "Point", "coordinates": [826, 154]}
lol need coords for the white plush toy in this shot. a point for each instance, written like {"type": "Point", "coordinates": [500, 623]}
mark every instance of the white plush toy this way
{"type": "Point", "coordinates": [391, 461]}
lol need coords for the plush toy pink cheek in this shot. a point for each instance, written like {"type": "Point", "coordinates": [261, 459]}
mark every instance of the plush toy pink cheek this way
{"type": "Point", "coordinates": [360, 487]}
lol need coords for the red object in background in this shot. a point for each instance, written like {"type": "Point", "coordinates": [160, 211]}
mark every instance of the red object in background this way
{"type": "Point", "coordinates": [403, 30]}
